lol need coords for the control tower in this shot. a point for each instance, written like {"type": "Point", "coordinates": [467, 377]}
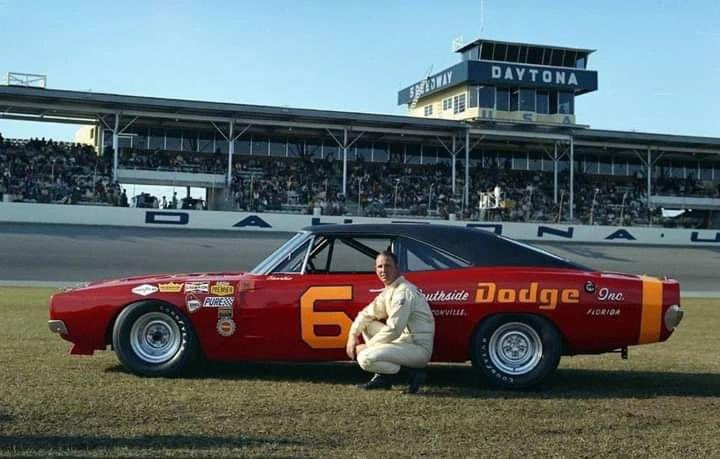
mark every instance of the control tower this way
{"type": "Point", "coordinates": [505, 81]}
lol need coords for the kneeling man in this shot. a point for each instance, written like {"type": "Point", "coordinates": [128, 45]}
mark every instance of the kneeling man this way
{"type": "Point", "coordinates": [406, 337]}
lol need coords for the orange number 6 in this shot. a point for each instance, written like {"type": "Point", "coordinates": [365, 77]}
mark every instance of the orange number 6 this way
{"type": "Point", "coordinates": [309, 317]}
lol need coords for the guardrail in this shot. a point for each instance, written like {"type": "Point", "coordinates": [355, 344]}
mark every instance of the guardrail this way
{"type": "Point", "coordinates": [248, 221]}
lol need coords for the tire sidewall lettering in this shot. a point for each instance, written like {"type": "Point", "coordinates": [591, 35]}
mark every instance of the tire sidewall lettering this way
{"type": "Point", "coordinates": [187, 351]}
{"type": "Point", "coordinates": [481, 353]}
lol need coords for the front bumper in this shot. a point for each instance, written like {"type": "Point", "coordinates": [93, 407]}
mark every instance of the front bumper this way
{"type": "Point", "coordinates": [57, 326]}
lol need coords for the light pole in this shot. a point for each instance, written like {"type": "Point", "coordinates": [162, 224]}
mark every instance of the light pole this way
{"type": "Point", "coordinates": [592, 207]}
{"type": "Point", "coordinates": [359, 180]}
{"type": "Point", "coordinates": [397, 183]}
{"type": "Point", "coordinates": [430, 196]}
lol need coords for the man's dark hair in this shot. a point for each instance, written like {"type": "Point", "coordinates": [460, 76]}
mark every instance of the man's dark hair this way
{"type": "Point", "coordinates": [388, 253]}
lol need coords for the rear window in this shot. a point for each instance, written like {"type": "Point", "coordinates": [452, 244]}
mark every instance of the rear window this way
{"type": "Point", "coordinates": [422, 257]}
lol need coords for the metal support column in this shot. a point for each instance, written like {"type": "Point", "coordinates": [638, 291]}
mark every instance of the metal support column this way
{"type": "Point", "coordinates": [345, 147]}
{"type": "Point", "coordinates": [231, 151]}
{"type": "Point", "coordinates": [116, 142]}
{"type": "Point", "coordinates": [453, 154]}
{"type": "Point", "coordinates": [572, 178]}
{"type": "Point", "coordinates": [649, 182]}
{"type": "Point", "coordinates": [555, 174]}
{"type": "Point", "coordinates": [231, 138]}
{"type": "Point", "coordinates": [467, 168]}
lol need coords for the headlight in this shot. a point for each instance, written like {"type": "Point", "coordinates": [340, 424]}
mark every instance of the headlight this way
{"type": "Point", "coordinates": [673, 316]}
{"type": "Point", "coordinates": [76, 286]}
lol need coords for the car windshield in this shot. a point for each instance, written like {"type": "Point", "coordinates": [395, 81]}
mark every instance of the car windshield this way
{"type": "Point", "coordinates": [281, 253]}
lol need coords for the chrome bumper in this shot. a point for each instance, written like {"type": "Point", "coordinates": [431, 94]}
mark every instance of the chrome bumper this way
{"type": "Point", "coordinates": [673, 316]}
{"type": "Point", "coordinates": [57, 326]}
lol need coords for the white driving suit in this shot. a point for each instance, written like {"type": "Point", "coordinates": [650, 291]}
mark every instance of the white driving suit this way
{"type": "Point", "coordinates": [406, 337]}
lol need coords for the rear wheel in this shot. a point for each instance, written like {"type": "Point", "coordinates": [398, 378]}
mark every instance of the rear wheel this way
{"type": "Point", "coordinates": [154, 339]}
{"type": "Point", "coordinates": [516, 351]}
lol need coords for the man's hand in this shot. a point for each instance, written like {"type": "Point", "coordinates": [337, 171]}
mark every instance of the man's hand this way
{"type": "Point", "coordinates": [359, 348]}
{"type": "Point", "coordinates": [350, 347]}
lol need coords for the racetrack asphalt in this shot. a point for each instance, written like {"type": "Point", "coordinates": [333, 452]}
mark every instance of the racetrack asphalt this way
{"type": "Point", "coordinates": [58, 255]}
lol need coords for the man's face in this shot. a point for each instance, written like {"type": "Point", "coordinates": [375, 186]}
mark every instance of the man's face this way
{"type": "Point", "coordinates": [386, 269]}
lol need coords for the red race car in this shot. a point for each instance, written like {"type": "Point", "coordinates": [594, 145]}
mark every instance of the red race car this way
{"type": "Point", "coordinates": [511, 309]}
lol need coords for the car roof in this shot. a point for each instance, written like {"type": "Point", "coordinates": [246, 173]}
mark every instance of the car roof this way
{"type": "Point", "coordinates": [478, 246]}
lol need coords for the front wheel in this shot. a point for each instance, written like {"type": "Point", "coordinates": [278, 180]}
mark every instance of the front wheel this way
{"type": "Point", "coordinates": [516, 351]}
{"type": "Point", "coordinates": [154, 339]}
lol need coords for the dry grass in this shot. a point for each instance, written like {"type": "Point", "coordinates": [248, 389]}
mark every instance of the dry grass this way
{"type": "Point", "coordinates": [664, 401]}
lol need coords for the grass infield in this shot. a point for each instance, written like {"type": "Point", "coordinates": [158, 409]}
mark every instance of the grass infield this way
{"type": "Point", "coordinates": [664, 401]}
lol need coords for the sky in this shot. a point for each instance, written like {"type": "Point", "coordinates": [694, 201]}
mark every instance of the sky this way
{"type": "Point", "coordinates": [657, 60]}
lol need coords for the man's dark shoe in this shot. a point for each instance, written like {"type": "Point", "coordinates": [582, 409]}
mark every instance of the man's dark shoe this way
{"type": "Point", "coordinates": [416, 379]}
{"type": "Point", "coordinates": [377, 382]}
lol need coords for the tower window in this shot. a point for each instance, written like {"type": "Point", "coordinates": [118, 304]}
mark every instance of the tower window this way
{"type": "Point", "coordinates": [459, 103]}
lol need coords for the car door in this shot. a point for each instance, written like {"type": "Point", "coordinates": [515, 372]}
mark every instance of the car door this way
{"type": "Point", "coordinates": [340, 281]}
{"type": "Point", "coordinates": [448, 284]}
{"type": "Point", "coordinates": [303, 309]}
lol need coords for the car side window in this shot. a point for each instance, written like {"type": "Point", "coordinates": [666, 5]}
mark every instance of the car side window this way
{"type": "Point", "coordinates": [422, 257]}
{"type": "Point", "coordinates": [345, 254]}
{"type": "Point", "coordinates": [293, 262]}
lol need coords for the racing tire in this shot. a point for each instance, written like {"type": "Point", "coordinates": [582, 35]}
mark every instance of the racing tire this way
{"type": "Point", "coordinates": [516, 351]}
{"type": "Point", "coordinates": [154, 339]}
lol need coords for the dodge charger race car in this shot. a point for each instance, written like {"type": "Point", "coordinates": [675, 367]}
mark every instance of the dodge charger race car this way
{"type": "Point", "coordinates": [511, 309]}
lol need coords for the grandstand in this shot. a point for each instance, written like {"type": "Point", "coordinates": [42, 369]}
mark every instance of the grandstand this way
{"type": "Point", "coordinates": [460, 140]}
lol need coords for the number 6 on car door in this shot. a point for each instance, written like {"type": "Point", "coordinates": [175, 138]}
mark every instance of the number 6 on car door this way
{"type": "Point", "coordinates": [309, 317]}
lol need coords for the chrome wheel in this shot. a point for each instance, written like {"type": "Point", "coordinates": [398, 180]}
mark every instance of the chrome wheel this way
{"type": "Point", "coordinates": [515, 348]}
{"type": "Point", "coordinates": [155, 337]}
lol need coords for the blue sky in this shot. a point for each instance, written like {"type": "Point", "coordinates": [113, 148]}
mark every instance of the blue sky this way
{"type": "Point", "coordinates": [657, 60]}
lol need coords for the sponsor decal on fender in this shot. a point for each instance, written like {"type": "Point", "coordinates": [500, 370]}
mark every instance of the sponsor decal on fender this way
{"type": "Point", "coordinates": [439, 296]}
{"type": "Point", "coordinates": [545, 298]}
{"type": "Point", "coordinates": [145, 290]}
{"type": "Point", "coordinates": [192, 302]}
{"type": "Point", "coordinates": [245, 285]}
{"type": "Point", "coordinates": [199, 287]}
{"type": "Point", "coordinates": [218, 302]}
{"type": "Point", "coordinates": [605, 294]}
{"type": "Point", "coordinates": [225, 313]}
{"type": "Point", "coordinates": [226, 327]}
{"type": "Point", "coordinates": [222, 289]}
{"type": "Point", "coordinates": [170, 287]}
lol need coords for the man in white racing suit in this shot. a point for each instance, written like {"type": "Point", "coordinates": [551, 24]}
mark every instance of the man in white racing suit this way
{"type": "Point", "coordinates": [405, 339]}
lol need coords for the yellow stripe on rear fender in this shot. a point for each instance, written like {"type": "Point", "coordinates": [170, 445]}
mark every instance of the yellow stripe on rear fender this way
{"type": "Point", "coordinates": [652, 299]}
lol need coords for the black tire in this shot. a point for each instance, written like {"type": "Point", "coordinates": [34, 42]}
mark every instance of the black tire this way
{"type": "Point", "coordinates": [515, 351]}
{"type": "Point", "coordinates": [154, 339]}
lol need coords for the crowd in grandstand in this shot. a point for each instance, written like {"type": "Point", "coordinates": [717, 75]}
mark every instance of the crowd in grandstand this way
{"type": "Point", "coordinates": [161, 160]}
{"type": "Point", "coordinates": [46, 171]}
{"type": "Point", "coordinates": [375, 189]}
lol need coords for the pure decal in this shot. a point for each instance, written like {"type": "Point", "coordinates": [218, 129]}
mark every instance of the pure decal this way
{"type": "Point", "coordinates": [218, 302]}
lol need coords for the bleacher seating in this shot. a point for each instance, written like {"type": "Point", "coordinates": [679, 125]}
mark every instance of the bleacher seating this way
{"type": "Point", "coordinates": [40, 170]}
